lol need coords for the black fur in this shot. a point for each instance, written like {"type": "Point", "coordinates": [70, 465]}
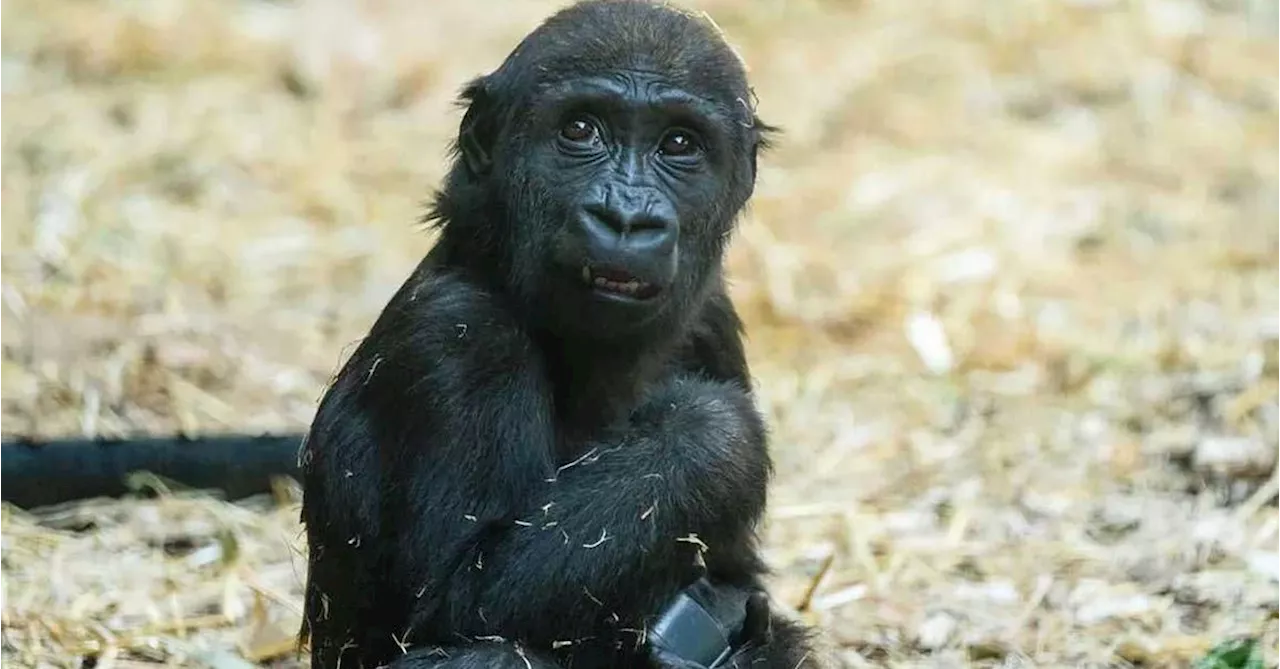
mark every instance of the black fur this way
{"type": "Point", "coordinates": [514, 469]}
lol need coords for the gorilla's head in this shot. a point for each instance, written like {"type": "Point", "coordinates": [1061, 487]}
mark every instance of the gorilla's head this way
{"type": "Point", "coordinates": [599, 171]}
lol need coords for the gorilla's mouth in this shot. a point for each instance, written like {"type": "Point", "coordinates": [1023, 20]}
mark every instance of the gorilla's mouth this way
{"type": "Point", "coordinates": [618, 282]}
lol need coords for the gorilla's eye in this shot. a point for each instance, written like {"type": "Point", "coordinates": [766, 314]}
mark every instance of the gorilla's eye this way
{"type": "Point", "coordinates": [678, 143]}
{"type": "Point", "coordinates": [578, 130]}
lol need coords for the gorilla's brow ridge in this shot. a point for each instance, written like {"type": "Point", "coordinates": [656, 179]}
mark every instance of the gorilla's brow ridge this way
{"type": "Point", "coordinates": [621, 89]}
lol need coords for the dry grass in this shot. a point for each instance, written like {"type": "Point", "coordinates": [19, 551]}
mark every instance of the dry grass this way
{"type": "Point", "coordinates": [1010, 281]}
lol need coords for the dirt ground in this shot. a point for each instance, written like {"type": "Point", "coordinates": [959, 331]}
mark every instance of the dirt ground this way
{"type": "Point", "coordinates": [1010, 283]}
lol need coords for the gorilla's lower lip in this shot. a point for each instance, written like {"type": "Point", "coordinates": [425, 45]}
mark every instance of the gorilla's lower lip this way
{"type": "Point", "coordinates": [617, 282]}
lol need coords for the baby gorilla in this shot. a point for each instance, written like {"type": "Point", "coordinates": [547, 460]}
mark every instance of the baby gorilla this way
{"type": "Point", "coordinates": [548, 434]}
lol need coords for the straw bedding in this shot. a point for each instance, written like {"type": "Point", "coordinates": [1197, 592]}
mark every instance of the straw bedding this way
{"type": "Point", "coordinates": [1010, 282]}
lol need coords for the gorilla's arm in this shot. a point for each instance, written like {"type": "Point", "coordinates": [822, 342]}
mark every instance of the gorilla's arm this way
{"type": "Point", "coordinates": [436, 419]}
{"type": "Point", "coordinates": [635, 504]}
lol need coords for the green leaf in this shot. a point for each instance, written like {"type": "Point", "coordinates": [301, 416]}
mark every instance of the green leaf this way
{"type": "Point", "coordinates": [1235, 654]}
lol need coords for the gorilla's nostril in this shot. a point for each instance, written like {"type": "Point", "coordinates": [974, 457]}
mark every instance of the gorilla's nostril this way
{"type": "Point", "coordinates": [623, 222]}
{"type": "Point", "coordinates": [605, 218]}
{"type": "Point", "coordinates": [647, 222]}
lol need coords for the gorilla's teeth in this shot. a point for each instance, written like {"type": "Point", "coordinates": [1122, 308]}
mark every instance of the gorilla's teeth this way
{"type": "Point", "coordinates": [630, 287]}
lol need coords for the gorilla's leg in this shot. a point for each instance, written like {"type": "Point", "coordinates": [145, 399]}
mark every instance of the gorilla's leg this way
{"type": "Point", "coordinates": [478, 656]}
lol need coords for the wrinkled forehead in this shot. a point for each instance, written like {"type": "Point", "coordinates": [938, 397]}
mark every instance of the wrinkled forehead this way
{"type": "Point", "coordinates": [631, 90]}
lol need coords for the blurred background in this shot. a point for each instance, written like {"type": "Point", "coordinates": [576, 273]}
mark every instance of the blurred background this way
{"type": "Point", "coordinates": [1009, 278]}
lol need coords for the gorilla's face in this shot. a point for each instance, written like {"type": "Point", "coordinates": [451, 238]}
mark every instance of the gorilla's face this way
{"type": "Point", "coordinates": [622, 196]}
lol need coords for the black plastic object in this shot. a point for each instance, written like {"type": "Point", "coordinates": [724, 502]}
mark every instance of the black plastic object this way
{"type": "Point", "coordinates": [37, 473]}
{"type": "Point", "coordinates": [698, 628]}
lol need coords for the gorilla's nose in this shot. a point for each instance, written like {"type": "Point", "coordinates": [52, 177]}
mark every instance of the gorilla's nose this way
{"type": "Point", "coordinates": [638, 222]}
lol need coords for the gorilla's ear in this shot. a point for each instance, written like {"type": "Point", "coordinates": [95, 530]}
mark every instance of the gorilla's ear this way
{"type": "Point", "coordinates": [761, 133]}
{"type": "Point", "coordinates": [762, 141]}
{"type": "Point", "coordinates": [478, 131]}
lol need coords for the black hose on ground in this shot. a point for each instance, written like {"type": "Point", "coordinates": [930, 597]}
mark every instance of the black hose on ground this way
{"type": "Point", "coordinates": [42, 472]}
